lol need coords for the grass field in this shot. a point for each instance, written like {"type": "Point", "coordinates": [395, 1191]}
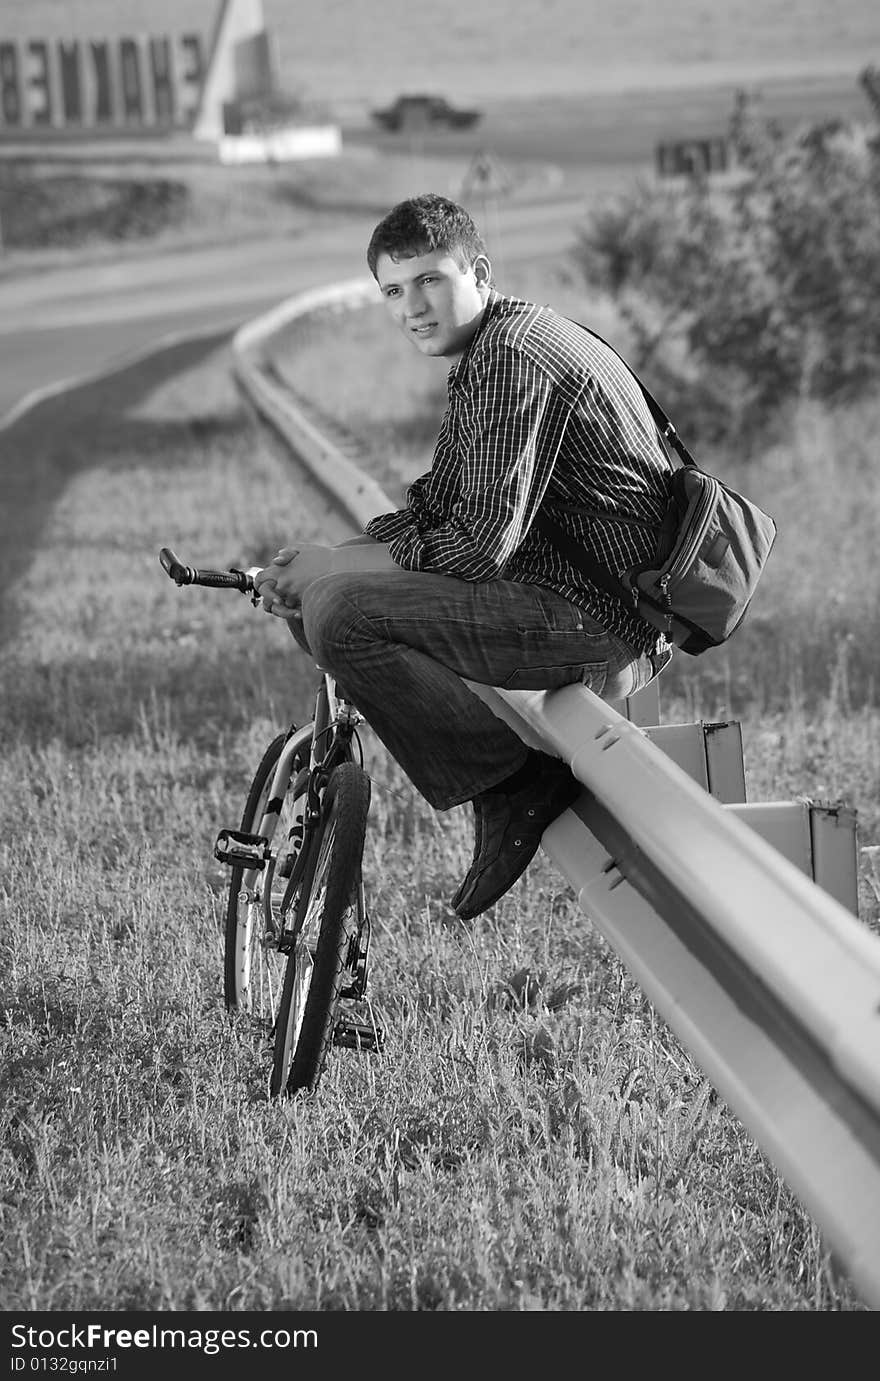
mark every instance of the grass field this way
{"type": "Point", "coordinates": [533, 1138]}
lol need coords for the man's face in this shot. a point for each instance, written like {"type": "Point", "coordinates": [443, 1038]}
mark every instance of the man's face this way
{"type": "Point", "coordinates": [436, 303]}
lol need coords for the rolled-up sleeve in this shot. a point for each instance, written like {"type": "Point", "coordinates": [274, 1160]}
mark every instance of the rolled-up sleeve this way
{"type": "Point", "coordinates": [506, 437]}
{"type": "Point", "coordinates": [386, 527]}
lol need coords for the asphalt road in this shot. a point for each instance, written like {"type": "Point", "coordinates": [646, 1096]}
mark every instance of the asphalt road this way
{"type": "Point", "coordinates": [75, 322]}
{"type": "Point", "coordinates": [71, 323]}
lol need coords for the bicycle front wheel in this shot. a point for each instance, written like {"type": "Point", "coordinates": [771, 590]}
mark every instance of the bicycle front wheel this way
{"type": "Point", "coordinates": [327, 922]}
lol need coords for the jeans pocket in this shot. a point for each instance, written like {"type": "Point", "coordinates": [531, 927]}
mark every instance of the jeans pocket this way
{"type": "Point", "coordinates": [550, 676]}
{"type": "Point", "coordinates": [560, 615]}
{"type": "Point", "coordinates": [595, 678]}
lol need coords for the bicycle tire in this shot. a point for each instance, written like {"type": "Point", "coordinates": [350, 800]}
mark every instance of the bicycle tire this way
{"type": "Point", "coordinates": [253, 977]}
{"type": "Point", "coordinates": [326, 922]}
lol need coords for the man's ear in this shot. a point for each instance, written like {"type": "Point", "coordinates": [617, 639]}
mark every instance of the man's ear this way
{"type": "Point", "coordinates": [483, 271]}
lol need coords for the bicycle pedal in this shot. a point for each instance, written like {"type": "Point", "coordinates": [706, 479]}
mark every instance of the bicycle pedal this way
{"type": "Point", "coordinates": [358, 1035]}
{"type": "Point", "coordinates": [242, 850]}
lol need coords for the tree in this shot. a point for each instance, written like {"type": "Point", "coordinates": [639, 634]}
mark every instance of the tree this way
{"type": "Point", "coordinates": [742, 296]}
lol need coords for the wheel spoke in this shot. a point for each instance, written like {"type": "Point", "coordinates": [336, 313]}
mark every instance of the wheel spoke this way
{"type": "Point", "coordinates": [302, 982]}
{"type": "Point", "coordinates": [255, 968]}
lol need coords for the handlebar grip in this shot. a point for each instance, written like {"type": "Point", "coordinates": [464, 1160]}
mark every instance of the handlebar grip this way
{"type": "Point", "coordinates": [222, 580]}
{"type": "Point", "coordinates": [235, 580]}
{"type": "Point", "coordinates": [180, 574]}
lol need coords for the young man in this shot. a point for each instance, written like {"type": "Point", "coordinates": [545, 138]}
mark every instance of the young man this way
{"type": "Point", "coordinates": [459, 584]}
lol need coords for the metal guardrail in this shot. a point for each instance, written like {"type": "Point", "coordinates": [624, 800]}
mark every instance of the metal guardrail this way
{"type": "Point", "coordinates": [772, 985]}
{"type": "Point", "coordinates": [356, 493]}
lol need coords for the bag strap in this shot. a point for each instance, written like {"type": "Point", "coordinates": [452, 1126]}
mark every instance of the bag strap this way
{"type": "Point", "coordinates": [579, 558]}
{"type": "Point", "coordinates": [661, 421]}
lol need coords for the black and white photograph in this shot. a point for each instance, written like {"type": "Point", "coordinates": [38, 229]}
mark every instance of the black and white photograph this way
{"type": "Point", "coordinates": [439, 673]}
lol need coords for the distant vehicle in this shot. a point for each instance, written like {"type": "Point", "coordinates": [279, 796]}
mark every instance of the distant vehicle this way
{"type": "Point", "coordinates": [424, 112]}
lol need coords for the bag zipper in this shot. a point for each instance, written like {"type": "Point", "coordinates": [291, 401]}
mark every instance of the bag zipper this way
{"type": "Point", "coordinates": [686, 555]}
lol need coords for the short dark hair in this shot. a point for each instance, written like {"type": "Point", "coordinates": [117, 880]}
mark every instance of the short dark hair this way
{"type": "Point", "coordinates": [423, 224]}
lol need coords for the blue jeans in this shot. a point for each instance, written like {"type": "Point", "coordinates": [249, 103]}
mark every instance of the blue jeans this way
{"type": "Point", "coordinates": [399, 644]}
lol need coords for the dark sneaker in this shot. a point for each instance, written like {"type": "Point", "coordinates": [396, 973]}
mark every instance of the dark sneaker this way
{"type": "Point", "coordinates": [477, 804]}
{"type": "Point", "coordinates": [509, 830]}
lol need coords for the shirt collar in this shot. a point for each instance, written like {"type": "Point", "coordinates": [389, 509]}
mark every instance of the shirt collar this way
{"type": "Point", "coordinates": [458, 371]}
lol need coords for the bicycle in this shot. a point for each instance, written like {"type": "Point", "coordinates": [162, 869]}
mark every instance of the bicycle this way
{"type": "Point", "coordinates": [297, 928]}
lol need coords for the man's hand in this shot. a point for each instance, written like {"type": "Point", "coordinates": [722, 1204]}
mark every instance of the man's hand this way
{"type": "Point", "coordinates": [282, 583]}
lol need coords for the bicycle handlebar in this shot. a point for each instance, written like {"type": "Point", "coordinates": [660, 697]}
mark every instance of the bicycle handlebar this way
{"type": "Point", "coordinates": [188, 575]}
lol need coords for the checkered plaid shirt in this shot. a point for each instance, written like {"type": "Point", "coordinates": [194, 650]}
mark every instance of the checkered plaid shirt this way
{"type": "Point", "coordinates": [540, 414]}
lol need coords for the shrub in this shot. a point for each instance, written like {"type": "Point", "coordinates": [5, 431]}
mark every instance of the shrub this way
{"type": "Point", "coordinates": [71, 209]}
{"type": "Point", "coordinates": [746, 296]}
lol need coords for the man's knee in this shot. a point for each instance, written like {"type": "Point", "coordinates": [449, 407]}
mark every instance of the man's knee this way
{"type": "Point", "coordinates": [330, 613]}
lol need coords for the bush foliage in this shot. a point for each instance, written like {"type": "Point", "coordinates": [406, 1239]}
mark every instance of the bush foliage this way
{"type": "Point", "coordinates": [67, 210]}
{"type": "Point", "coordinates": [744, 296]}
